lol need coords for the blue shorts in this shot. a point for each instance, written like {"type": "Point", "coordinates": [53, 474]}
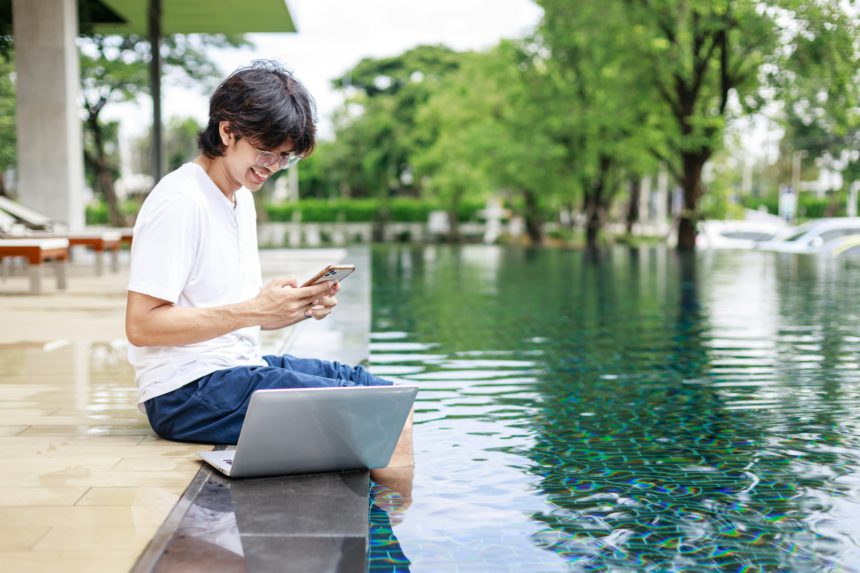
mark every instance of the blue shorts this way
{"type": "Point", "coordinates": [211, 409]}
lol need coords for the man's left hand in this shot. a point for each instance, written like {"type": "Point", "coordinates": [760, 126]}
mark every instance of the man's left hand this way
{"type": "Point", "coordinates": [325, 305]}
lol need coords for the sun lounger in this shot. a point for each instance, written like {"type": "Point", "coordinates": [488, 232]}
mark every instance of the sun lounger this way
{"type": "Point", "coordinates": [32, 219]}
{"type": "Point", "coordinates": [37, 252]}
{"type": "Point", "coordinates": [102, 242]}
{"type": "Point", "coordinates": [7, 223]}
{"type": "Point", "coordinates": [14, 217]}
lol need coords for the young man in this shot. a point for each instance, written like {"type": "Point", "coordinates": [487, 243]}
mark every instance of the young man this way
{"type": "Point", "coordinates": [196, 303]}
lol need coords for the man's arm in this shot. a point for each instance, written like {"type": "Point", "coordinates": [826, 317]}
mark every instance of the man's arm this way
{"type": "Point", "coordinates": [150, 321]}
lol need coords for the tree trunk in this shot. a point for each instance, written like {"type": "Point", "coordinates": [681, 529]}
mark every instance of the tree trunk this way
{"type": "Point", "coordinates": [104, 182]}
{"type": "Point", "coordinates": [596, 203]}
{"type": "Point", "coordinates": [454, 226]}
{"type": "Point", "coordinates": [832, 205]}
{"type": "Point", "coordinates": [453, 235]}
{"type": "Point", "coordinates": [633, 207]}
{"type": "Point", "coordinates": [534, 220]}
{"type": "Point", "coordinates": [692, 185]}
{"type": "Point", "coordinates": [592, 223]}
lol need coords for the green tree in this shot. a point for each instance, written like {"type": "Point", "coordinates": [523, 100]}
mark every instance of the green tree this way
{"type": "Point", "coordinates": [375, 132]}
{"type": "Point", "coordinates": [696, 54]}
{"type": "Point", "coordinates": [115, 69]}
{"type": "Point", "coordinates": [180, 144]}
{"type": "Point", "coordinates": [314, 180]}
{"type": "Point", "coordinates": [490, 132]}
{"type": "Point", "coordinates": [8, 155]}
{"type": "Point", "coordinates": [819, 83]}
{"type": "Point", "coordinates": [6, 39]}
{"type": "Point", "coordinates": [609, 122]}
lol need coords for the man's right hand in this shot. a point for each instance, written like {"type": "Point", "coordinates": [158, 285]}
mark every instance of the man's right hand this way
{"type": "Point", "coordinates": [151, 321]}
{"type": "Point", "coordinates": [282, 302]}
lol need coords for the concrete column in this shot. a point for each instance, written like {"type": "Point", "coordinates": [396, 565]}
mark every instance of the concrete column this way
{"type": "Point", "coordinates": [50, 152]}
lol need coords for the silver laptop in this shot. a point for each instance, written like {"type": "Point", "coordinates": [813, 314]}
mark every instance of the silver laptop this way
{"type": "Point", "coordinates": [313, 430]}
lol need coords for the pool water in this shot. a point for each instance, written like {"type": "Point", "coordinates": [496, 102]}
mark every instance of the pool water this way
{"type": "Point", "coordinates": [632, 411]}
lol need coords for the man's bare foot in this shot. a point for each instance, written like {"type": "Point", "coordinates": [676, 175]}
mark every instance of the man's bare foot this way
{"type": "Point", "coordinates": [392, 490]}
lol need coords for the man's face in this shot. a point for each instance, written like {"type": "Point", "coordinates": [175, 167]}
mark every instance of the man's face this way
{"type": "Point", "coordinates": [252, 166]}
{"type": "Point", "coordinates": [248, 165]}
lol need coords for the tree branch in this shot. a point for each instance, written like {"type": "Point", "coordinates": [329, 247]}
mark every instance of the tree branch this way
{"type": "Point", "coordinates": [673, 171]}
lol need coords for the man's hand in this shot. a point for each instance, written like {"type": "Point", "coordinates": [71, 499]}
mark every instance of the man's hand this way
{"type": "Point", "coordinates": [326, 304]}
{"type": "Point", "coordinates": [282, 302]}
{"type": "Point", "coordinates": [150, 321]}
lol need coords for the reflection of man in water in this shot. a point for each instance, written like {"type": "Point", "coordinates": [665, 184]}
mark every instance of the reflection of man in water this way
{"type": "Point", "coordinates": [209, 536]}
{"type": "Point", "coordinates": [389, 501]}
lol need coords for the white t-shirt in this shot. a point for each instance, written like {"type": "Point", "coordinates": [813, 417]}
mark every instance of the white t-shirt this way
{"type": "Point", "coordinates": [192, 248]}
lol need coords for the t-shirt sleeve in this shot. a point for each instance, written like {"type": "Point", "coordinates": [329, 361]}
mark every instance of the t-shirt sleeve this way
{"type": "Point", "coordinates": [166, 238]}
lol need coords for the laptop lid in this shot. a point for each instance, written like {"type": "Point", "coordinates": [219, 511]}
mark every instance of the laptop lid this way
{"type": "Point", "coordinates": [321, 429]}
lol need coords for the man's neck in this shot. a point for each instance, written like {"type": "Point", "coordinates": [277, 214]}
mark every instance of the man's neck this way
{"type": "Point", "coordinates": [217, 172]}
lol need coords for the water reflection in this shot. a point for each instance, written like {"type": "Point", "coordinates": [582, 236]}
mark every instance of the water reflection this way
{"type": "Point", "coordinates": [633, 411]}
{"type": "Point", "coordinates": [324, 522]}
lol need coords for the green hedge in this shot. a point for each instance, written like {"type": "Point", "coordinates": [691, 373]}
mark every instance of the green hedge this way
{"type": "Point", "coordinates": [97, 213]}
{"type": "Point", "coordinates": [809, 206]}
{"type": "Point", "coordinates": [399, 209]}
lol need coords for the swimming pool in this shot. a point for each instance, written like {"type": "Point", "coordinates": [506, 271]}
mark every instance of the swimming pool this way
{"type": "Point", "coordinates": [636, 411]}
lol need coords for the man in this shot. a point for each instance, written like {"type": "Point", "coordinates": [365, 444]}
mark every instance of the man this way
{"type": "Point", "coordinates": [196, 303]}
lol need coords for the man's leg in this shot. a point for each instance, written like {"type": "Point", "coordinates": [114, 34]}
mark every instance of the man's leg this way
{"type": "Point", "coordinates": [398, 475]}
{"type": "Point", "coordinates": [342, 374]}
{"type": "Point", "coordinates": [349, 376]}
{"type": "Point", "coordinates": [403, 455]}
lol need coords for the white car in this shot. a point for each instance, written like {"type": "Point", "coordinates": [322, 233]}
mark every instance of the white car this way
{"type": "Point", "coordinates": [847, 246]}
{"type": "Point", "coordinates": [738, 234]}
{"type": "Point", "coordinates": [812, 236]}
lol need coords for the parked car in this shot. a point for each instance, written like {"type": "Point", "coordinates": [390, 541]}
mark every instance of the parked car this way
{"type": "Point", "coordinates": [737, 234]}
{"type": "Point", "coordinates": [847, 246]}
{"type": "Point", "coordinates": [811, 237]}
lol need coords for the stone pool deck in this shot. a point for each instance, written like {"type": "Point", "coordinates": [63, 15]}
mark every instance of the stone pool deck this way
{"type": "Point", "coordinates": [85, 485]}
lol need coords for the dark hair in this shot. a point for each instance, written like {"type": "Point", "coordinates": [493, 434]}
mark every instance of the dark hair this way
{"type": "Point", "coordinates": [265, 103]}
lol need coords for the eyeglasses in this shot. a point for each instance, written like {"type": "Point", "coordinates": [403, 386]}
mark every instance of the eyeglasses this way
{"type": "Point", "coordinates": [267, 159]}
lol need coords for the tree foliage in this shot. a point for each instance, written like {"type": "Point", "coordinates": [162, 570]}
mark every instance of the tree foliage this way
{"type": "Point", "coordinates": [818, 83]}
{"type": "Point", "coordinates": [376, 130]}
{"type": "Point", "coordinates": [115, 69]}
{"type": "Point", "coordinates": [490, 131]}
{"type": "Point", "coordinates": [8, 140]}
{"type": "Point", "coordinates": [613, 125]}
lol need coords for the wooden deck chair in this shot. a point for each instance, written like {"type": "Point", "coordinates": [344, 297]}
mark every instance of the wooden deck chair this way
{"type": "Point", "coordinates": [37, 252]}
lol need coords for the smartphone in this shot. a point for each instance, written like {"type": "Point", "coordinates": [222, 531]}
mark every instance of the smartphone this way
{"type": "Point", "coordinates": [334, 273]}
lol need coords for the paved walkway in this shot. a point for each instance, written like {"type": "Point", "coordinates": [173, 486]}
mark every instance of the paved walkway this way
{"type": "Point", "coordinates": [84, 482]}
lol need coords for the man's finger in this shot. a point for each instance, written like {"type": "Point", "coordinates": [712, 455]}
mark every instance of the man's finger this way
{"type": "Point", "coordinates": [314, 291]}
{"type": "Point", "coordinates": [285, 282]}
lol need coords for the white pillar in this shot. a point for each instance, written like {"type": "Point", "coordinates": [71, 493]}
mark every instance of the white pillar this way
{"type": "Point", "coordinates": [50, 153]}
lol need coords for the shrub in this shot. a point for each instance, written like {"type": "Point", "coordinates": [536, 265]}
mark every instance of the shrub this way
{"type": "Point", "coordinates": [280, 213]}
{"type": "Point", "coordinates": [359, 210]}
{"type": "Point", "coordinates": [318, 211]}
{"type": "Point", "coordinates": [809, 205]}
{"type": "Point", "coordinates": [96, 213]}
{"type": "Point", "coordinates": [408, 210]}
{"type": "Point", "coordinates": [399, 209]}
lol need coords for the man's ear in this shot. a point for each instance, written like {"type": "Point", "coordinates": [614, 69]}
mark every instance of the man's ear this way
{"type": "Point", "coordinates": [227, 137]}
